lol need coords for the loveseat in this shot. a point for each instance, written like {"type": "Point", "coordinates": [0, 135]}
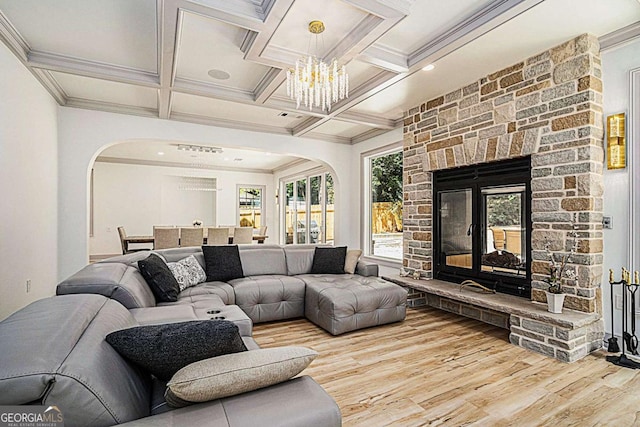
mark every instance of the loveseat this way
{"type": "Point", "coordinates": [277, 284]}
{"type": "Point", "coordinates": [54, 353]}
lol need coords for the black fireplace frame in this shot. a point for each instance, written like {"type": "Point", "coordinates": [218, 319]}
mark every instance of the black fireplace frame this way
{"type": "Point", "coordinates": [500, 173]}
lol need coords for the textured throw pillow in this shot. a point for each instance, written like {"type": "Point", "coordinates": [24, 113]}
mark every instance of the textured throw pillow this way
{"type": "Point", "coordinates": [187, 272]}
{"type": "Point", "coordinates": [329, 260]}
{"type": "Point", "coordinates": [222, 263]}
{"type": "Point", "coordinates": [159, 278]}
{"type": "Point", "coordinates": [351, 260]}
{"type": "Point", "coordinates": [165, 349]}
{"type": "Point", "coordinates": [229, 375]}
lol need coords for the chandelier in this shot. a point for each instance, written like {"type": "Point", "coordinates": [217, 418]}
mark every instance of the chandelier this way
{"type": "Point", "coordinates": [315, 83]}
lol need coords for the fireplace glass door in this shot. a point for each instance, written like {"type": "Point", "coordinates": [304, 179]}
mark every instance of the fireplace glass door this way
{"type": "Point", "coordinates": [482, 226]}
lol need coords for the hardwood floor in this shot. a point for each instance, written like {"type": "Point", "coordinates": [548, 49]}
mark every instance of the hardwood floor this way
{"type": "Point", "coordinates": [439, 369]}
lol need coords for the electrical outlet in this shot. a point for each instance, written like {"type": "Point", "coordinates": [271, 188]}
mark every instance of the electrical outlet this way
{"type": "Point", "coordinates": [607, 222]}
{"type": "Point", "coordinates": [618, 302]}
{"type": "Point", "coordinates": [108, 229]}
{"type": "Point", "coordinates": [28, 285]}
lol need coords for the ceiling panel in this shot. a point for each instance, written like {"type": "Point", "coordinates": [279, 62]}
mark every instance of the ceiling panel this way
{"type": "Point", "coordinates": [119, 32]}
{"type": "Point", "coordinates": [500, 48]}
{"type": "Point", "coordinates": [427, 20]}
{"type": "Point", "coordinates": [227, 110]}
{"type": "Point", "coordinates": [107, 91]}
{"type": "Point", "coordinates": [163, 151]}
{"type": "Point", "coordinates": [339, 19]}
{"type": "Point", "coordinates": [208, 44]}
{"type": "Point", "coordinates": [342, 129]}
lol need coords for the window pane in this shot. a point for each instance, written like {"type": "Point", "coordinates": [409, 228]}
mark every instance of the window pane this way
{"type": "Point", "coordinates": [301, 207]}
{"type": "Point", "coordinates": [386, 205]}
{"type": "Point", "coordinates": [250, 207]}
{"type": "Point", "coordinates": [504, 249]}
{"type": "Point", "coordinates": [289, 212]}
{"type": "Point", "coordinates": [329, 207]}
{"type": "Point", "coordinates": [456, 237]}
{"type": "Point", "coordinates": [315, 228]}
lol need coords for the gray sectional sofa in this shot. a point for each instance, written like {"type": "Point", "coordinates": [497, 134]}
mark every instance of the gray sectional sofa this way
{"type": "Point", "coordinates": [53, 352]}
{"type": "Point", "coordinates": [277, 285]}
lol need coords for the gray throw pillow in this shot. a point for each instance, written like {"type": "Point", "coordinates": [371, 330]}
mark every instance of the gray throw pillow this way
{"type": "Point", "coordinates": [161, 281]}
{"type": "Point", "coordinates": [188, 272]}
{"type": "Point", "coordinates": [164, 349]}
{"type": "Point", "coordinates": [233, 374]}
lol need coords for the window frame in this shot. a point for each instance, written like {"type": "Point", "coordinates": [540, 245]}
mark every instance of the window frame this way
{"type": "Point", "coordinates": [367, 238]}
{"type": "Point", "coordinates": [263, 210]}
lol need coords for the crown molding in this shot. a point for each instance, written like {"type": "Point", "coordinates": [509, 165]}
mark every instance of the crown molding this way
{"type": "Point", "coordinates": [328, 138]}
{"type": "Point", "coordinates": [141, 162]}
{"type": "Point", "coordinates": [385, 58]}
{"type": "Point", "coordinates": [213, 90]}
{"type": "Point", "coordinates": [366, 119]}
{"type": "Point", "coordinates": [111, 107]}
{"type": "Point", "coordinates": [619, 37]}
{"type": "Point", "coordinates": [13, 39]}
{"type": "Point", "coordinates": [291, 164]}
{"type": "Point", "coordinates": [371, 133]}
{"type": "Point", "coordinates": [233, 124]}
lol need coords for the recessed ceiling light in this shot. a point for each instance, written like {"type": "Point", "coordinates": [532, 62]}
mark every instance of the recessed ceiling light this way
{"type": "Point", "coordinates": [160, 153]}
{"type": "Point", "coordinates": [218, 74]}
{"type": "Point", "coordinates": [237, 159]}
{"type": "Point", "coordinates": [429, 67]}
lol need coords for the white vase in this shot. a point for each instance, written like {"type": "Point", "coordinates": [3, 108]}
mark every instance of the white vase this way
{"type": "Point", "coordinates": [554, 302]}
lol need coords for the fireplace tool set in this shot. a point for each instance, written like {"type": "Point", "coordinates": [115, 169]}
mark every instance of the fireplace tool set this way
{"type": "Point", "coordinates": [629, 337]}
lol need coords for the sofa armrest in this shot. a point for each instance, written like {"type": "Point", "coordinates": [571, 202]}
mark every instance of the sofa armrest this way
{"type": "Point", "coordinates": [367, 269]}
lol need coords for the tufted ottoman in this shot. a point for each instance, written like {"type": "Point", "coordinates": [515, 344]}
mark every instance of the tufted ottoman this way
{"type": "Point", "coordinates": [343, 303]}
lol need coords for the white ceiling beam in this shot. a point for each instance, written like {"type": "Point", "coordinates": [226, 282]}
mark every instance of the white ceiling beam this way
{"type": "Point", "coordinates": [169, 16]}
{"type": "Point", "coordinates": [234, 124]}
{"type": "Point", "coordinates": [387, 9]}
{"type": "Point", "coordinates": [385, 58]}
{"type": "Point", "coordinates": [111, 107]}
{"type": "Point", "coordinates": [269, 85]}
{"type": "Point", "coordinates": [241, 13]}
{"type": "Point", "coordinates": [366, 119]}
{"type": "Point", "coordinates": [84, 68]}
{"type": "Point", "coordinates": [367, 135]}
{"type": "Point", "coordinates": [212, 90]}
{"type": "Point", "coordinates": [619, 37]}
{"type": "Point", "coordinates": [485, 20]}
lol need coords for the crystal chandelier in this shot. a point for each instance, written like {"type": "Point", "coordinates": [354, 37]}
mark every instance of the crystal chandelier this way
{"type": "Point", "coordinates": [315, 83]}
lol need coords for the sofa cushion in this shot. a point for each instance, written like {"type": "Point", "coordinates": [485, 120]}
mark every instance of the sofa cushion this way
{"type": "Point", "coordinates": [351, 260]}
{"type": "Point", "coordinates": [299, 258]}
{"type": "Point", "coordinates": [188, 272]}
{"type": "Point", "coordinates": [329, 260]}
{"type": "Point", "coordinates": [258, 260]}
{"type": "Point", "coordinates": [221, 289]}
{"type": "Point", "coordinates": [53, 352]}
{"type": "Point", "coordinates": [272, 297]}
{"type": "Point", "coordinates": [164, 349]}
{"type": "Point", "coordinates": [222, 263]}
{"type": "Point", "coordinates": [159, 278]}
{"type": "Point", "coordinates": [229, 375]}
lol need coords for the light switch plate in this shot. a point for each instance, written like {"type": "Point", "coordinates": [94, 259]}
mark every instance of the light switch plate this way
{"type": "Point", "coordinates": [607, 222]}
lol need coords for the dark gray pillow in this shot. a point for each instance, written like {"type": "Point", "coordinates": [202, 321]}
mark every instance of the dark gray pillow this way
{"type": "Point", "coordinates": [222, 263]}
{"type": "Point", "coordinates": [160, 279]}
{"type": "Point", "coordinates": [329, 260]}
{"type": "Point", "coordinates": [165, 349]}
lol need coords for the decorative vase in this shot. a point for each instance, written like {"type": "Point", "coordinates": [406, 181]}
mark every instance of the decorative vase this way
{"type": "Point", "coordinates": [554, 302]}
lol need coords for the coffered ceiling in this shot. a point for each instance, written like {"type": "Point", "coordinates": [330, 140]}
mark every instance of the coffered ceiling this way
{"type": "Point", "coordinates": [223, 62]}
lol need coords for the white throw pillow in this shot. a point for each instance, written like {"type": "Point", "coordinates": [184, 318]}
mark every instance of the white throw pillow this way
{"type": "Point", "coordinates": [232, 374]}
{"type": "Point", "coordinates": [188, 272]}
{"type": "Point", "coordinates": [351, 260]}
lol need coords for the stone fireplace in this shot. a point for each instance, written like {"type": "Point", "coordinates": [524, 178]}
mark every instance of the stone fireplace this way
{"type": "Point", "coordinates": [548, 107]}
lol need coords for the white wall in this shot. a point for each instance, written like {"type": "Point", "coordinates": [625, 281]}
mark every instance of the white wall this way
{"type": "Point", "coordinates": [134, 196]}
{"type": "Point", "coordinates": [83, 134]}
{"type": "Point", "coordinates": [616, 64]}
{"type": "Point", "coordinates": [29, 177]}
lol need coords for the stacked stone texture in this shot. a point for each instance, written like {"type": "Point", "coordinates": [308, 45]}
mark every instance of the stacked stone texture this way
{"type": "Point", "coordinates": [548, 106]}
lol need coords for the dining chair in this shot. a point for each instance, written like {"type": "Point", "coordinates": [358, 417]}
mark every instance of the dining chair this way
{"type": "Point", "coordinates": [191, 236]}
{"type": "Point", "coordinates": [125, 243]}
{"type": "Point", "coordinates": [165, 238]}
{"type": "Point", "coordinates": [262, 230]}
{"type": "Point", "coordinates": [217, 236]}
{"type": "Point", "coordinates": [242, 235]}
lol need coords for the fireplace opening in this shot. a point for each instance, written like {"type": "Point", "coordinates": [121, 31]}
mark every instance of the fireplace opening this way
{"type": "Point", "coordinates": [482, 226]}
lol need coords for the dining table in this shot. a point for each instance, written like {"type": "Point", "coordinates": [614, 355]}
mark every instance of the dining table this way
{"type": "Point", "coordinates": [149, 239]}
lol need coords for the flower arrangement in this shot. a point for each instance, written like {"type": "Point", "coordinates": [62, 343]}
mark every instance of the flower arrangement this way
{"type": "Point", "coordinates": [558, 269]}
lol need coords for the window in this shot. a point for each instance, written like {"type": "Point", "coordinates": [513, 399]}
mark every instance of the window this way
{"type": "Point", "coordinates": [309, 200]}
{"type": "Point", "coordinates": [250, 206]}
{"type": "Point", "coordinates": [482, 225]}
{"type": "Point", "coordinates": [383, 229]}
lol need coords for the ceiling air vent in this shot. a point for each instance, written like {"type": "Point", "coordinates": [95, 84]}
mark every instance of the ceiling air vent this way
{"type": "Point", "coordinates": [291, 115]}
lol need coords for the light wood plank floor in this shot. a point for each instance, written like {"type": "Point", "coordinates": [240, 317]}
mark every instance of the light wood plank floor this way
{"type": "Point", "coordinates": [439, 369]}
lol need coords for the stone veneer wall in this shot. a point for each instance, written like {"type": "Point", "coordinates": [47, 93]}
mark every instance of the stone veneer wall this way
{"type": "Point", "coordinates": [548, 106]}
